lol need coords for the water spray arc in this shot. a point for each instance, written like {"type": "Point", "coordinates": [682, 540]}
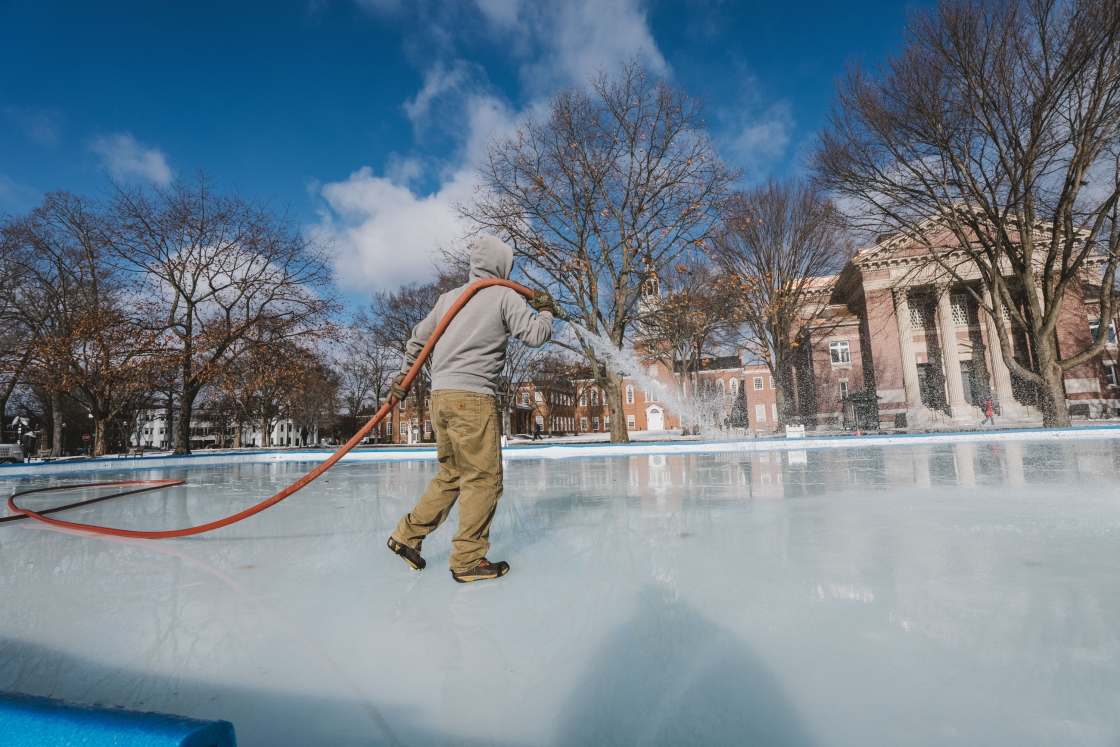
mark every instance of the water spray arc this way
{"type": "Point", "coordinates": [147, 485]}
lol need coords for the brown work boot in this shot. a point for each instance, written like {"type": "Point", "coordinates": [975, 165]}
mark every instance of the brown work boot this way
{"type": "Point", "coordinates": [485, 569]}
{"type": "Point", "coordinates": [412, 557]}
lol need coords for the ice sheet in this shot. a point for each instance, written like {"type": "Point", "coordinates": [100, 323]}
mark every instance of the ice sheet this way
{"type": "Point", "coordinates": [908, 595]}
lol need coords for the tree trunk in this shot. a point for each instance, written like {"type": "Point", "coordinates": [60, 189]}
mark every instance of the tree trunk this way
{"type": "Point", "coordinates": [169, 417]}
{"type": "Point", "coordinates": [56, 424]}
{"type": "Point", "coordinates": [237, 434]}
{"type": "Point", "coordinates": [100, 431]}
{"type": "Point", "coordinates": [3, 412]}
{"type": "Point", "coordinates": [613, 392]}
{"type": "Point", "coordinates": [186, 410]}
{"type": "Point", "coordinates": [783, 387]}
{"type": "Point", "coordinates": [1055, 411]}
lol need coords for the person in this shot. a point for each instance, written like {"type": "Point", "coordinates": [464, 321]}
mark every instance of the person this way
{"type": "Point", "coordinates": [536, 431]}
{"type": "Point", "coordinates": [989, 413]}
{"type": "Point", "coordinates": [466, 367]}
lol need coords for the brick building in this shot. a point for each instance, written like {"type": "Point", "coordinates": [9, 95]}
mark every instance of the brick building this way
{"type": "Point", "coordinates": [905, 342]}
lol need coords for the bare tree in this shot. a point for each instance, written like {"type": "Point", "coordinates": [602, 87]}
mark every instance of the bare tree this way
{"type": "Point", "coordinates": [688, 317]}
{"type": "Point", "coordinates": [779, 242]}
{"type": "Point", "coordinates": [16, 334]}
{"type": "Point", "coordinates": [368, 365]}
{"type": "Point", "coordinates": [553, 375]}
{"type": "Point", "coordinates": [312, 394]}
{"type": "Point", "coordinates": [991, 140]}
{"type": "Point", "coordinates": [219, 266]}
{"type": "Point", "coordinates": [598, 197]}
{"type": "Point", "coordinates": [88, 343]}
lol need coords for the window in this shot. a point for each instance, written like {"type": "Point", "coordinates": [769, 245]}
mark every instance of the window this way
{"type": "Point", "coordinates": [583, 399]}
{"type": "Point", "coordinates": [583, 424]}
{"type": "Point", "coordinates": [916, 320]}
{"type": "Point", "coordinates": [758, 383]}
{"type": "Point", "coordinates": [843, 389]}
{"type": "Point", "coordinates": [540, 420]}
{"type": "Point", "coordinates": [402, 405]}
{"type": "Point", "coordinates": [404, 429]}
{"type": "Point", "coordinates": [1095, 329]}
{"type": "Point", "coordinates": [427, 427]}
{"type": "Point", "coordinates": [774, 412]}
{"type": "Point", "coordinates": [1110, 374]}
{"type": "Point", "coordinates": [629, 395]}
{"type": "Point", "coordinates": [958, 302]}
{"type": "Point", "coordinates": [537, 397]}
{"type": "Point", "coordinates": [630, 422]}
{"type": "Point", "coordinates": [594, 397]}
{"type": "Point", "coordinates": [721, 387]}
{"type": "Point", "coordinates": [840, 352]}
{"type": "Point", "coordinates": [594, 424]}
{"type": "Point", "coordinates": [524, 398]}
{"type": "Point", "coordinates": [607, 423]}
{"type": "Point", "coordinates": [653, 371]}
{"type": "Point", "coordinates": [734, 387]}
{"type": "Point", "coordinates": [760, 413]}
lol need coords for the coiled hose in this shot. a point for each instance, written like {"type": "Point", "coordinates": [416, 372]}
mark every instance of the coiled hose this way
{"type": "Point", "coordinates": [147, 485]}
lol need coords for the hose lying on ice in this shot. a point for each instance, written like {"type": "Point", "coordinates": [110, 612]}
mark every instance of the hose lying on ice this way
{"type": "Point", "coordinates": [146, 485]}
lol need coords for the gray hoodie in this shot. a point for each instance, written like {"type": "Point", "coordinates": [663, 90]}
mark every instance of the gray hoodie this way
{"type": "Point", "coordinates": [472, 351]}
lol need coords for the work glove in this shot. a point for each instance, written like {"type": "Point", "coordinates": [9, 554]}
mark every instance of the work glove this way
{"type": "Point", "coordinates": [397, 389]}
{"type": "Point", "coordinates": [541, 301]}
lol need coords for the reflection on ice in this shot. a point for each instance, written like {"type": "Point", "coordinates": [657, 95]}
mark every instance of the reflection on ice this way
{"type": "Point", "coordinates": [920, 595]}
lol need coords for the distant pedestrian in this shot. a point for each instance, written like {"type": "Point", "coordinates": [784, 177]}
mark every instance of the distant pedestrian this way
{"type": "Point", "coordinates": [536, 431]}
{"type": "Point", "coordinates": [989, 413]}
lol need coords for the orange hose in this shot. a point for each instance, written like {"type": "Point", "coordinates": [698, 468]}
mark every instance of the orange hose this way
{"type": "Point", "coordinates": [294, 487]}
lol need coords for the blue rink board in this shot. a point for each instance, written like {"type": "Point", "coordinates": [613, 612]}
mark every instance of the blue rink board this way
{"type": "Point", "coordinates": [26, 720]}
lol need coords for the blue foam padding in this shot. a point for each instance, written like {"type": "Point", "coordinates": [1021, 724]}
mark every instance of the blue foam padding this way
{"type": "Point", "coordinates": [29, 720]}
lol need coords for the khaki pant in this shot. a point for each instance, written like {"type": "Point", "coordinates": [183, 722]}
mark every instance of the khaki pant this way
{"type": "Point", "coordinates": [468, 445]}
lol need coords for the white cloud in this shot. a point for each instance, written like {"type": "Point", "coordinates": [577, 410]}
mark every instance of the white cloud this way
{"type": "Point", "coordinates": [571, 40]}
{"type": "Point", "coordinates": [385, 231]}
{"type": "Point", "coordinates": [385, 227]}
{"type": "Point", "coordinates": [438, 81]}
{"type": "Point", "coordinates": [39, 125]}
{"type": "Point", "coordinates": [764, 139]}
{"type": "Point", "coordinates": [124, 157]}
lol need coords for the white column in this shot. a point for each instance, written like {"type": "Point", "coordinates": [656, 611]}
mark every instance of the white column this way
{"type": "Point", "coordinates": [950, 356]}
{"type": "Point", "coordinates": [909, 359]}
{"type": "Point", "coordinates": [1001, 376]}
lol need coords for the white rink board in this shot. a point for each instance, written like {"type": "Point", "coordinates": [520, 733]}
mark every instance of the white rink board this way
{"type": "Point", "coordinates": [555, 451]}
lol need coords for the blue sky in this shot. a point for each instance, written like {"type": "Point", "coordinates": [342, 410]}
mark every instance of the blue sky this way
{"type": "Point", "coordinates": [366, 117]}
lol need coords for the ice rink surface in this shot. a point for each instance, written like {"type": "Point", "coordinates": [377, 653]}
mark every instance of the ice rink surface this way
{"type": "Point", "coordinates": [912, 595]}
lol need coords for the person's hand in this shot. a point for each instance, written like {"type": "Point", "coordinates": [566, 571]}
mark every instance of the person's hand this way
{"type": "Point", "coordinates": [398, 390]}
{"type": "Point", "coordinates": [541, 301]}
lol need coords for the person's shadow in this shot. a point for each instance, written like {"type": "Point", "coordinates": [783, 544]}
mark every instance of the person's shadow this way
{"type": "Point", "coordinates": [670, 677]}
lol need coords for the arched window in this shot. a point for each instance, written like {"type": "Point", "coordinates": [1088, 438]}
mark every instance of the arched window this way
{"type": "Point", "coordinates": [719, 385]}
{"type": "Point", "coordinates": [583, 399]}
{"type": "Point", "coordinates": [629, 395]}
{"type": "Point", "coordinates": [594, 397]}
{"type": "Point", "coordinates": [733, 385]}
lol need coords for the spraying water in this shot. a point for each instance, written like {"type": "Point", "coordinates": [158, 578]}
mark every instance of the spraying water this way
{"type": "Point", "coordinates": [697, 408]}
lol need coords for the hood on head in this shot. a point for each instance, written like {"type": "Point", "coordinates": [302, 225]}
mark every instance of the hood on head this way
{"type": "Point", "coordinates": [490, 258]}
